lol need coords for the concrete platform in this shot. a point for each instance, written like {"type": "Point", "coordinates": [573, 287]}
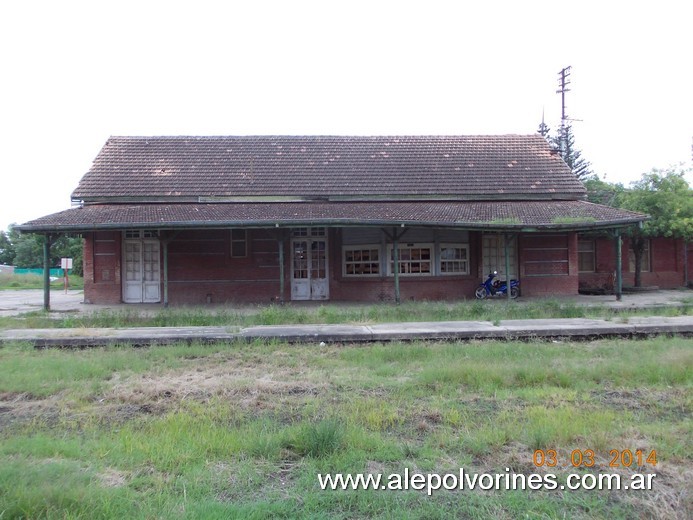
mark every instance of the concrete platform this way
{"type": "Point", "coordinates": [575, 329]}
{"type": "Point", "coordinates": [15, 303]}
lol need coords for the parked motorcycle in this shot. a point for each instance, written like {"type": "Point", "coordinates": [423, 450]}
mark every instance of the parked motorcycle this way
{"type": "Point", "coordinates": [493, 287]}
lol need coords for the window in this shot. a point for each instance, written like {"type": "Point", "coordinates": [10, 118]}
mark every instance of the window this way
{"type": "Point", "coordinates": [361, 261]}
{"type": "Point", "coordinates": [414, 259]}
{"type": "Point", "coordinates": [144, 233]}
{"type": "Point", "coordinates": [239, 243]}
{"type": "Point", "coordinates": [308, 232]}
{"type": "Point", "coordinates": [454, 259]}
{"type": "Point", "coordinates": [586, 257]}
{"type": "Point", "coordinates": [645, 262]}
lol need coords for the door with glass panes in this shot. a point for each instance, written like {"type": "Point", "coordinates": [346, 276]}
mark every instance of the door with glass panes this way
{"type": "Point", "coordinates": [493, 246]}
{"type": "Point", "coordinates": [309, 264]}
{"type": "Point", "coordinates": [141, 280]}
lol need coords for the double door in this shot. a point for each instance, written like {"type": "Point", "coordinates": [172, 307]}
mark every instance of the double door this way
{"type": "Point", "coordinates": [141, 282]}
{"type": "Point", "coordinates": [493, 247]}
{"type": "Point", "coordinates": [309, 265]}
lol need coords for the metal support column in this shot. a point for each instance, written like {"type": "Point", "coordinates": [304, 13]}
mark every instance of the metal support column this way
{"type": "Point", "coordinates": [618, 289]}
{"type": "Point", "coordinates": [506, 242]}
{"type": "Point", "coordinates": [281, 270]}
{"type": "Point", "coordinates": [165, 242]}
{"type": "Point", "coordinates": [46, 273]}
{"type": "Point", "coordinates": [395, 255]}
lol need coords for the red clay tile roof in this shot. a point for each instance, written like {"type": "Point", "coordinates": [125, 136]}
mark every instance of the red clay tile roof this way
{"type": "Point", "coordinates": [470, 215]}
{"type": "Point", "coordinates": [404, 167]}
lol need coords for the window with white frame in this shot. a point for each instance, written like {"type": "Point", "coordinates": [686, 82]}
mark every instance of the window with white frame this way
{"type": "Point", "coordinates": [361, 260]}
{"type": "Point", "coordinates": [308, 232]}
{"type": "Point", "coordinates": [239, 243]}
{"type": "Point", "coordinates": [414, 259]}
{"type": "Point", "coordinates": [141, 233]}
{"type": "Point", "coordinates": [645, 261]}
{"type": "Point", "coordinates": [586, 256]}
{"type": "Point", "coordinates": [454, 259]}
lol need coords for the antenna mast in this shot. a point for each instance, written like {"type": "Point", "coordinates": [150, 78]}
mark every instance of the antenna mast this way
{"type": "Point", "coordinates": [563, 82]}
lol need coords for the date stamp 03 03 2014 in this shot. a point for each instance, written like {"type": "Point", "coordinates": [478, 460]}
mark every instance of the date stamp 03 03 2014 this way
{"type": "Point", "coordinates": [586, 458]}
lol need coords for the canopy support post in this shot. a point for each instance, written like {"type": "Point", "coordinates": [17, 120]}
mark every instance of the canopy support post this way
{"type": "Point", "coordinates": [508, 238]}
{"type": "Point", "coordinates": [618, 289]}
{"type": "Point", "coordinates": [281, 270]}
{"type": "Point", "coordinates": [46, 273]}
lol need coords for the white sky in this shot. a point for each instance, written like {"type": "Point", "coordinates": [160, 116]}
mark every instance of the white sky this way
{"type": "Point", "coordinates": [72, 73]}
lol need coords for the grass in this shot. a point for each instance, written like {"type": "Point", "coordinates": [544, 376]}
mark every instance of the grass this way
{"type": "Point", "coordinates": [493, 311]}
{"type": "Point", "coordinates": [15, 282]}
{"type": "Point", "coordinates": [241, 431]}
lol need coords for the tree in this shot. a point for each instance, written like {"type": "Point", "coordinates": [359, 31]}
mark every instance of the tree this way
{"type": "Point", "coordinates": [602, 192]}
{"type": "Point", "coordinates": [7, 252]}
{"type": "Point", "coordinates": [28, 250]}
{"type": "Point", "coordinates": [571, 155]}
{"type": "Point", "coordinates": [666, 196]}
{"type": "Point", "coordinates": [68, 247]}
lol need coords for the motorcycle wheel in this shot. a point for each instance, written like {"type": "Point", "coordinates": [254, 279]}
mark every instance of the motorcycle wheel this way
{"type": "Point", "coordinates": [480, 293]}
{"type": "Point", "coordinates": [514, 292]}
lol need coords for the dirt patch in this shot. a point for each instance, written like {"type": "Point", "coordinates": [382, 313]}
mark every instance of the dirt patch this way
{"type": "Point", "coordinates": [660, 404]}
{"type": "Point", "coordinates": [18, 409]}
{"type": "Point", "coordinates": [204, 383]}
{"type": "Point", "coordinates": [113, 478]}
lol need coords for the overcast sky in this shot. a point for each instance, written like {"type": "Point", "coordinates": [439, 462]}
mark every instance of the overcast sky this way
{"type": "Point", "coordinates": [75, 72]}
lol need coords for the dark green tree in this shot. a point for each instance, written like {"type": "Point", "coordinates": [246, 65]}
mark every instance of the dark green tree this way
{"type": "Point", "coordinates": [666, 196]}
{"type": "Point", "coordinates": [68, 247]}
{"type": "Point", "coordinates": [28, 249]}
{"type": "Point", "coordinates": [570, 153]}
{"type": "Point", "coordinates": [7, 252]}
{"type": "Point", "coordinates": [602, 192]}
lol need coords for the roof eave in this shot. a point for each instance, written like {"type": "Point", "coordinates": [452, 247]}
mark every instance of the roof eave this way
{"type": "Point", "coordinates": [477, 226]}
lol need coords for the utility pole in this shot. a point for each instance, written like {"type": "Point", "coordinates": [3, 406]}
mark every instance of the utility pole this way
{"type": "Point", "coordinates": [563, 82]}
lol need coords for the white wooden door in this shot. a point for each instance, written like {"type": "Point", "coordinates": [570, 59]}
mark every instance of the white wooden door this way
{"type": "Point", "coordinates": [141, 283]}
{"type": "Point", "coordinates": [494, 256]}
{"type": "Point", "coordinates": [309, 269]}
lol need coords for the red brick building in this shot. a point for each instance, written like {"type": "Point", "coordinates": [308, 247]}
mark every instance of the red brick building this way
{"type": "Point", "coordinates": [665, 263]}
{"type": "Point", "coordinates": [255, 219]}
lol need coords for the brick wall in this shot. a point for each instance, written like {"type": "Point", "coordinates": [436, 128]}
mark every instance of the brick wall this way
{"type": "Point", "coordinates": [102, 267]}
{"type": "Point", "coordinates": [202, 269]}
{"type": "Point", "coordinates": [666, 264]}
{"type": "Point", "coordinates": [548, 264]}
